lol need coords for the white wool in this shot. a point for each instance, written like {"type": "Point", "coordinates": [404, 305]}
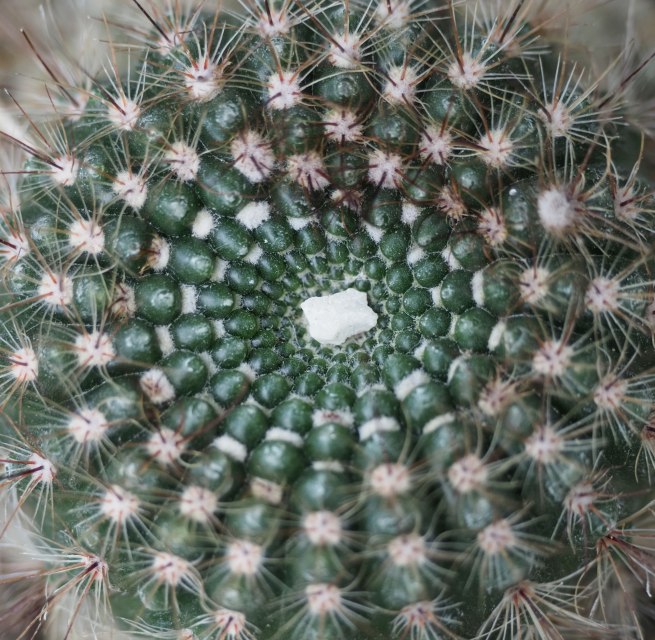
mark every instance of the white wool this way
{"type": "Point", "coordinates": [466, 72]}
{"type": "Point", "coordinates": [283, 90]}
{"type": "Point", "coordinates": [254, 214]}
{"type": "Point", "coordinates": [284, 435]}
{"type": "Point", "coordinates": [385, 169]}
{"type": "Point", "coordinates": [410, 213]}
{"type": "Point", "coordinates": [165, 339]}
{"type": "Point", "coordinates": [65, 170]}
{"type": "Point", "coordinates": [202, 79]}
{"type": "Point", "coordinates": [450, 259]}
{"type": "Point", "coordinates": [477, 286]}
{"type": "Point", "coordinates": [184, 161]}
{"type": "Point", "coordinates": [345, 50]}
{"type": "Point", "coordinates": [375, 233]}
{"type": "Point", "coordinates": [556, 210]}
{"type": "Point", "coordinates": [334, 318]}
{"type": "Point", "coordinates": [130, 188]}
{"type": "Point", "coordinates": [298, 223]}
{"type": "Point", "coordinates": [203, 224]}
{"type": "Point", "coordinates": [496, 335]}
{"type": "Point", "coordinates": [189, 298]}
{"type": "Point", "coordinates": [123, 113]}
{"type": "Point", "coordinates": [401, 85]}
{"type": "Point", "coordinates": [231, 447]}
{"type": "Point", "coordinates": [377, 425]}
{"type": "Point", "coordinates": [415, 254]}
{"type": "Point", "coordinates": [438, 422]}
{"type": "Point", "coordinates": [410, 382]}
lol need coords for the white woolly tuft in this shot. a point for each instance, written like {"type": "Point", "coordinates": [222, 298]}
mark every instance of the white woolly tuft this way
{"type": "Point", "coordinates": [393, 14]}
{"type": "Point", "coordinates": [410, 213]}
{"type": "Point", "coordinates": [533, 284]}
{"type": "Point", "coordinates": [203, 224]}
{"type": "Point", "coordinates": [557, 212]}
{"type": "Point", "coordinates": [231, 447]}
{"type": "Point", "coordinates": [253, 256]}
{"type": "Point", "coordinates": [308, 170]}
{"type": "Point", "coordinates": [407, 550]}
{"type": "Point", "coordinates": [16, 247]}
{"type": "Point", "coordinates": [118, 504]}
{"type": "Point", "coordinates": [123, 304]}
{"type": "Point", "coordinates": [157, 386]}
{"type": "Point", "coordinates": [198, 503]}
{"type": "Point", "coordinates": [467, 474]}
{"type": "Point", "coordinates": [266, 490]}
{"type": "Point", "coordinates": [557, 118]}
{"type": "Point", "coordinates": [130, 188]}
{"type": "Point", "coordinates": [552, 359]}
{"type": "Point", "coordinates": [467, 72]}
{"type": "Point", "coordinates": [497, 538]}
{"type": "Point", "coordinates": [414, 255]}
{"type": "Point", "coordinates": [385, 169]}
{"type": "Point", "coordinates": [477, 286]}
{"type": "Point", "coordinates": [94, 349]}
{"type": "Point", "coordinates": [55, 290]}
{"type": "Point", "coordinates": [298, 223]}
{"type": "Point", "coordinates": [375, 233]}
{"type": "Point", "coordinates": [253, 156]}
{"type": "Point", "coordinates": [496, 148]}
{"type": "Point", "coordinates": [603, 295]}
{"type": "Point", "coordinates": [284, 90]}
{"type": "Point", "coordinates": [449, 258]}
{"type": "Point", "coordinates": [86, 236]}
{"type": "Point", "coordinates": [410, 382]}
{"type": "Point", "coordinates": [219, 328]}
{"type": "Point", "coordinates": [342, 125]}
{"type": "Point", "coordinates": [189, 298]}
{"type": "Point", "coordinates": [324, 601]}
{"type": "Point", "coordinates": [345, 50]}
{"type": "Point", "coordinates": [166, 446]}
{"type": "Point", "coordinates": [65, 170]}
{"type": "Point", "coordinates": [496, 335]}
{"type": "Point", "coordinates": [401, 84]}
{"type": "Point", "coordinates": [202, 79]}
{"type": "Point", "coordinates": [184, 161]}
{"type": "Point", "coordinates": [284, 435]}
{"type": "Point", "coordinates": [23, 365]}
{"type": "Point", "coordinates": [435, 292]}
{"type": "Point", "coordinates": [159, 254]}
{"type": "Point", "coordinates": [390, 480]}
{"type": "Point", "coordinates": [254, 214]}
{"type": "Point", "coordinates": [123, 113]}
{"type": "Point", "coordinates": [383, 424]}
{"type": "Point", "coordinates": [436, 145]}
{"type": "Point", "coordinates": [165, 339]}
{"type": "Point", "coordinates": [544, 445]}
{"type": "Point", "coordinates": [439, 421]}
{"type": "Point", "coordinates": [340, 416]}
{"type": "Point", "coordinates": [492, 226]}
{"type": "Point", "coordinates": [220, 269]}
{"type": "Point", "coordinates": [322, 528]}
{"type": "Point", "coordinates": [88, 425]}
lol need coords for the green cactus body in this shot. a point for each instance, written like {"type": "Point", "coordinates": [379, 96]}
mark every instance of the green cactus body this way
{"type": "Point", "coordinates": [476, 465]}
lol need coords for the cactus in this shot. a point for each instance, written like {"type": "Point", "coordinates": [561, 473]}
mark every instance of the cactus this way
{"type": "Point", "coordinates": [190, 463]}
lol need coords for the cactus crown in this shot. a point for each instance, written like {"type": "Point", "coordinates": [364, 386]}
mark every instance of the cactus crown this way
{"type": "Point", "coordinates": [196, 465]}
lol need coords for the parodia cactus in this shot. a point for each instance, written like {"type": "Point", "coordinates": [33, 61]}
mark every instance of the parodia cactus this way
{"type": "Point", "coordinates": [195, 465]}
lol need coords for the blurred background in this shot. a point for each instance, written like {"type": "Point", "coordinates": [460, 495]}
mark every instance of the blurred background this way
{"type": "Point", "coordinates": [66, 31]}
